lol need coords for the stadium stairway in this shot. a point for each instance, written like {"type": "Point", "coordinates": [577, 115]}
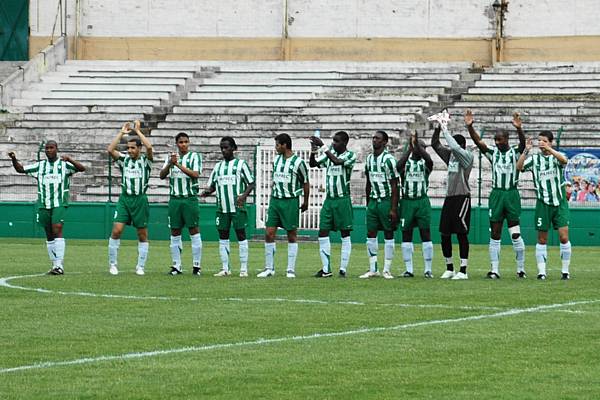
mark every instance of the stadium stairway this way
{"type": "Point", "coordinates": [253, 102]}
{"type": "Point", "coordinates": [83, 104]}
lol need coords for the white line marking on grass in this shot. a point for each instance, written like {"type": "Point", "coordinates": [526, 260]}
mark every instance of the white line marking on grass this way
{"type": "Point", "coordinates": [219, 346]}
{"type": "Point", "coordinates": [572, 311]}
{"type": "Point", "coordinates": [4, 282]}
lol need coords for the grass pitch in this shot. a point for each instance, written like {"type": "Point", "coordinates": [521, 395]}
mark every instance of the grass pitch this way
{"type": "Point", "coordinates": [88, 335]}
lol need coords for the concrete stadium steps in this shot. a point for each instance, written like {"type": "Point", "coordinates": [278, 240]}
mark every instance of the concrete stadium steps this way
{"type": "Point", "coordinates": [267, 93]}
{"type": "Point", "coordinates": [252, 101]}
{"type": "Point", "coordinates": [191, 111]}
{"type": "Point", "coordinates": [127, 84]}
{"type": "Point", "coordinates": [76, 117]}
{"type": "Point", "coordinates": [406, 101]}
{"type": "Point", "coordinates": [131, 102]}
{"type": "Point", "coordinates": [574, 77]}
{"type": "Point", "coordinates": [549, 96]}
{"type": "Point", "coordinates": [57, 79]}
{"type": "Point", "coordinates": [91, 95]}
{"type": "Point", "coordinates": [547, 67]}
{"type": "Point", "coordinates": [296, 98]}
{"type": "Point", "coordinates": [225, 83]}
{"type": "Point", "coordinates": [79, 109]}
{"type": "Point", "coordinates": [273, 125]}
{"type": "Point", "coordinates": [303, 76]}
{"type": "Point", "coordinates": [538, 90]}
{"type": "Point", "coordinates": [529, 109]}
{"type": "Point", "coordinates": [337, 67]}
{"type": "Point", "coordinates": [288, 118]}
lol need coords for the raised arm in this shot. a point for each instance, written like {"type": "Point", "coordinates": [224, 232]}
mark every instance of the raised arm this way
{"type": "Point", "coordinates": [78, 166]}
{"type": "Point", "coordinates": [420, 150]}
{"type": "Point", "coordinates": [562, 159]}
{"type": "Point", "coordinates": [524, 154]}
{"type": "Point", "coordinates": [112, 147]}
{"type": "Point", "coordinates": [146, 142]}
{"type": "Point", "coordinates": [164, 172]}
{"type": "Point", "coordinates": [518, 124]}
{"type": "Point", "coordinates": [442, 151]}
{"type": "Point", "coordinates": [326, 150]}
{"type": "Point", "coordinates": [16, 164]}
{"type": "Point", "coordinates": [314, 150]}
{"type": "Point", "coordinates": [189, 172]}
{"type": "Point", "coordinates": [474, 135]}
{"type": "Point", "coordinates": [403, 160]}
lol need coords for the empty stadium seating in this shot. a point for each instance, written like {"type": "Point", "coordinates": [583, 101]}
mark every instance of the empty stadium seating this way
{"type": "Point", "coordinates": [83, 104]}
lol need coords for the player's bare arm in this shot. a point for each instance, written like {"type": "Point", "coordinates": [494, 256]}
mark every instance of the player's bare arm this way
{"type": "Point", "coordinates": [524, 154]}
{"type": "Point", "coordinates": [174, 162]}
{"type": "Point", "coordinates": [112, 147]}
{"type": "Point", "coordinates": [16, 164]}
{"type": "Point", "coordinates": [241, 200]}
{"type": "Point", "coordinates": [319, 143]}
{"type": "Point", "coordinates": [559, 156]}
{"type": "Point", "coordinates": [78, 166]}
{"type": "Point", "coordinates": [404, 159]}
{"type": "Point", "coordinates": [518, 124]}
{"type": "Point", "coordinates": [138, 131]}
{"type": "Point", "coordinates": [422, 152]}
{"type": "Point", "coordinates": [394, 207]}
{"type": "Point", "coordinates": [167, 168]}
{"type": "Point", "coordinates": [314, 150]}
{"type": "Point", "coordinates": [208, 191]}
{"type": "Point", "coordinates": [367, 189]}
{"type": "Point", "coordinates": [469, 119]}
{"type": "Point", "coordinates": [306, 188]}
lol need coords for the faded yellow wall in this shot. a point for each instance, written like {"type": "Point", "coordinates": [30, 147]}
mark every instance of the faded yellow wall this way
{"type": "Point", "coordinates": [560, 48]}
{"type": "Point", "coordinates": [160, 48]}
{"type": "Point", "coordinates": [568, 48]}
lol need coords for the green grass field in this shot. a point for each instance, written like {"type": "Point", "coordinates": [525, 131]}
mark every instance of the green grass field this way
{"type": "Point", "coordinates": [91, 335]}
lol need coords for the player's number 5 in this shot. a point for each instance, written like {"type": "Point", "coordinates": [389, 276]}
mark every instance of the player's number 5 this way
{"type": "Point", "coordinates": [539, 221]}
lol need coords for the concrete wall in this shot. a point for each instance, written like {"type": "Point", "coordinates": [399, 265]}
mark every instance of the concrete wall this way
{"type": "Point", "coordinates": [359, 30]}
{"type": "Point", "coordinates": [548, 18]}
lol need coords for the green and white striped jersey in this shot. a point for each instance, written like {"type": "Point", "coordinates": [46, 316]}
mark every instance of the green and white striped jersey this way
{"type": "Point", "coordinates": [135, 174]}
{"type": "Point", "coordinates": [337, 178]}
{"type": "Point", "coordinates": [289, 174]}
{"type": "Point", "coordinates": [548, 177]}
{"type": "Point", "coordinates": [181, 185]}
{"type": "Point", "coordinates": [416, 179]}
{"type": "Point", "coordinates": [380, 171]}
{"type": "Point", "coordinates": [230, 179]}
{"type": "Point", "coordinates": [53, 181]}
{"type": "Point", "coordinates": [505, 175]}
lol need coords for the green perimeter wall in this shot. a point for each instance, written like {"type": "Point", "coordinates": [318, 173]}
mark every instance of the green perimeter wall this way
{"type": "Point", "coordinates": [94, 221]}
